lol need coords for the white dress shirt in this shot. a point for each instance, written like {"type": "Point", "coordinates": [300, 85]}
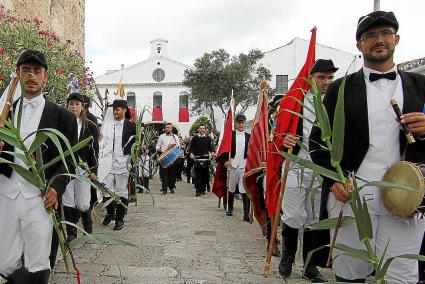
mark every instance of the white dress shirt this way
{"type": "Point", "coordinates": [239, 161]}
{"type": "Point", "coordinates": [119, 160]}
{"type": "Point", "coordinates": [30, 120]}
{"type": "Point", "coordinates": [384, 131]}
{"type": "Point", "coordinates": [165, 140]}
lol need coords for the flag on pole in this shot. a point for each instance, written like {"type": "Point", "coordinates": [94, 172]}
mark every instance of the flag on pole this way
{"type": "Point", "coordinates": [286, 123]}
{"type": "Point", "coordinates": [257, 157]}
{"type": "Point", "coordinates": [220, 177]}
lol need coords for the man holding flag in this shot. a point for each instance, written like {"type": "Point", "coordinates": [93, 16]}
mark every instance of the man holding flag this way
{"type": "Point", "coordinates": [301, 201]}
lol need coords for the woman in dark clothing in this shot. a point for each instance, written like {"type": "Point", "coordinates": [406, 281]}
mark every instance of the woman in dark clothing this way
{"type": "Point", "coordinates": [76, 199]}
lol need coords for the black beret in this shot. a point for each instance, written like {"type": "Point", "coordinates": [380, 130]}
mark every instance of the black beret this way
{"type": "Point", "coordinates": [240, 117]}
{"type": "Point", "coordinates": [75, 96]}
{"type": "Point", "coordinates": [323, 65]}
{"type": "Point", "coordinates": [32, 56]}
{"type": "Point", "coordinates": [119, 103]}
{"type": "Point", "coordinates": [376, 18]}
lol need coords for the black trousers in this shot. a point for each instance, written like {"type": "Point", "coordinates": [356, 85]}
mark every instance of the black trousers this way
{"type": "Point", "coordinates": [179, 168]}
{"type": "Point", "coordinates": [168, 177]}
{"type": "Point", "coordinates": [202, 178]}
{"type": "Point", "coordinates": [189, 166]}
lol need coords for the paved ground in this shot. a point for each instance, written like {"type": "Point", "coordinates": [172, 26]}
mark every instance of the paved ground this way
{"type": "Point", "coordinates": [182, 239]}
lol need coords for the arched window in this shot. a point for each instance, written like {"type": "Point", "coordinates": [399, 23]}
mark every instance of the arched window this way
{"type": "Point", "coordinates": [131, 99]}
{"type": "Point", "coordinates": [184, 107]}
{"type": "Point", "coordinates": [157, 106]}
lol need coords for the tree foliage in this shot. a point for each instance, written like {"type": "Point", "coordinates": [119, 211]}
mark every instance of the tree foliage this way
{"type": "Point", "coordinates": [17, 35]}
{"type": "Point", "coordinates": [204, 120]}
{"type": "Point", "coordinates": [216, 74]}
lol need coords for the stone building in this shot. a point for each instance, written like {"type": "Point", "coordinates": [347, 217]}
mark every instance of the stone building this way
{"type": "Point", "coordinates": [64, 17]}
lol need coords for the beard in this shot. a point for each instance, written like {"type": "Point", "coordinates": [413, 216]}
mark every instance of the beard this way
{"type": "Point", "coordinates": [379, 58]}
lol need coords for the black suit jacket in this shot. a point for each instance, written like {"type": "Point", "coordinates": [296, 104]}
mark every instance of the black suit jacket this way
{"type": "Point", "coordinates": [247, 135]}
{"type": "Point", "coordinates": [58, 118]}
{"type": "Point", "coordinates": [128, 134]}
{"type": "Point", "coordinates": [356, 140]}
{"type": "Point", "coordinates": [90, 153]}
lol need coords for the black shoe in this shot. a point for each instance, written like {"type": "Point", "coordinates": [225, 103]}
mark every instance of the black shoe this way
{"type": "Point", "coordinates": [107, 220]}
{"type": "Point", "coordinates": [229, 213]}
{"type": "Point", "coordinates": [285, 265]}
{"type": "Point", "coordinates": [340, 279]}
{"type": "Point", "coordinates": [164, 193]}
{"type": "Point", "coordinates": [172, 190]}
{"type": "Point", "coordinates": [203, 193]}
{"type": "Point", "coordinates": [119, 224]}
{"type": "Point", "coordinates": [313, 274]}
{"type": "Point", "coordinates": [246, 219]}
{"type": "Point", "coordinates": [197, 194]}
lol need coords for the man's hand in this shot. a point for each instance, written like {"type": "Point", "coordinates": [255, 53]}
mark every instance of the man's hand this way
{"type": "Point", "coordinates": [228, 164]}
{"type": "Point", "coordinates": [339, 191]}
{"type": "Point", "coordinates": [290, 141]}
{"type": "Point", "coordinates": [1, 146]}
{"type": "Point", "coordinates": [192, 156]}
{"type": "Point", "coordinates": [415, 121]}
{"type": "Point", "coordinates": [100, 137]}
{"type": "Point", "coordinates": [51, 198]}
{"type": "Point", "coordinates": [93, 176]}
{"type": "Point", "coordinates": [213, 154]}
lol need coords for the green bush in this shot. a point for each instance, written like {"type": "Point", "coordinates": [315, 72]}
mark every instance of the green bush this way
{"type": "Point", "coordinates": [17, 35]}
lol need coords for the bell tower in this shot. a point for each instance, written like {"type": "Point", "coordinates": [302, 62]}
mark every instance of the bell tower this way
{"type": "Point", "coordinates": [159, 48]}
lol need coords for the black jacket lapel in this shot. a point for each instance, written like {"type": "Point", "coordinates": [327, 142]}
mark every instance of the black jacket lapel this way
{"type": "Point", "coordinates": [357, 104]}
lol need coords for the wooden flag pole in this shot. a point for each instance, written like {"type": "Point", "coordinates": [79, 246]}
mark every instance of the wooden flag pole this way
{"type": "Point", "coordinates": [276, 218]}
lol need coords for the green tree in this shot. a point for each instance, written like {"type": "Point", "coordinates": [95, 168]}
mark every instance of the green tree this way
{"type": "Point", "coordinates": [216, 74]}
{"type": "Point", "coordinates": [17, 35]}
{"type": "Point", "coordinates": [204, 120]}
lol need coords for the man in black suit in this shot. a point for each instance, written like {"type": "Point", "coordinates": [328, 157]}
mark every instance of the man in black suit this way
{"type": "Point", "coordinates": [199, 151]}
{"type": "Point", "coordinates": [298, 202]}
{"type": "Point", "coordinates": [237, 164]}
{"type": "Point", "coordinates": [122, 138]}
{"type": "Point", "coordinates": [373, 142]}
{"type": "Point", "coordinates": [26, 228]}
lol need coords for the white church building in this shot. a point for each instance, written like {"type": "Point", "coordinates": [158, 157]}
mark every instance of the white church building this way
{"type": "Point", "coordinates": [157, 81]}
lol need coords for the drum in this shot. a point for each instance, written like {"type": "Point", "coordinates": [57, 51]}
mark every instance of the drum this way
{"type": "Point", "coordinates": [403, 202]}
{"type": "Point", "coordinates": [169, 156]}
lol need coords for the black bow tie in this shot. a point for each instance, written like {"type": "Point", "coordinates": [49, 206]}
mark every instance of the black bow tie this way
{"type": "Point", "coordinates": [376, 76]}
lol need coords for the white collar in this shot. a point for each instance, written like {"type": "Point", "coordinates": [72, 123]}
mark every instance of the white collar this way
{"type": "Point", "coordinates": [239, 132]}
{"type": "Point", "coordinates": [119, 122]}
{"type": "Point", "coordinates": [34, 102]}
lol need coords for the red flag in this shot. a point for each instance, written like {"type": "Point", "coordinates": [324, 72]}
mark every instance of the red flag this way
{"type": "Point", "coordinates": [220, 177]}
{"type": "Point", "coordinates": [286, 123]}
{"type": "Point", "coordinates": [257, 157]}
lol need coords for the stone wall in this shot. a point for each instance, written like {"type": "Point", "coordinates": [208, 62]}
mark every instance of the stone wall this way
{"type": "Point", "coordinates": [64, 17]}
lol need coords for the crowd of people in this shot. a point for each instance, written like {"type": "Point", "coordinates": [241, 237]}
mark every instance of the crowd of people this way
{"type": "Point", "coordinates": [372, 143]}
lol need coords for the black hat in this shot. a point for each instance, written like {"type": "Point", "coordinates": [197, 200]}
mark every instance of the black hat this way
{"type": "Point", "coordinates": [240, 117]}
{"type": "Point", "coordinates": [32, 56]}
{"type": "Point", "coordinates": [376, 18]}
{"type": "Point", "coordinates": [75, 96]}
{"type": "Point", "coordinates": [323, 65]}
{"type": "Point", "coordinates": [119, 103]}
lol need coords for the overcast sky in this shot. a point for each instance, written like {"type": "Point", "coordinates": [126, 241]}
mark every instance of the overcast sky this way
{"type": "Point", "coordinates": [120, 31]}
